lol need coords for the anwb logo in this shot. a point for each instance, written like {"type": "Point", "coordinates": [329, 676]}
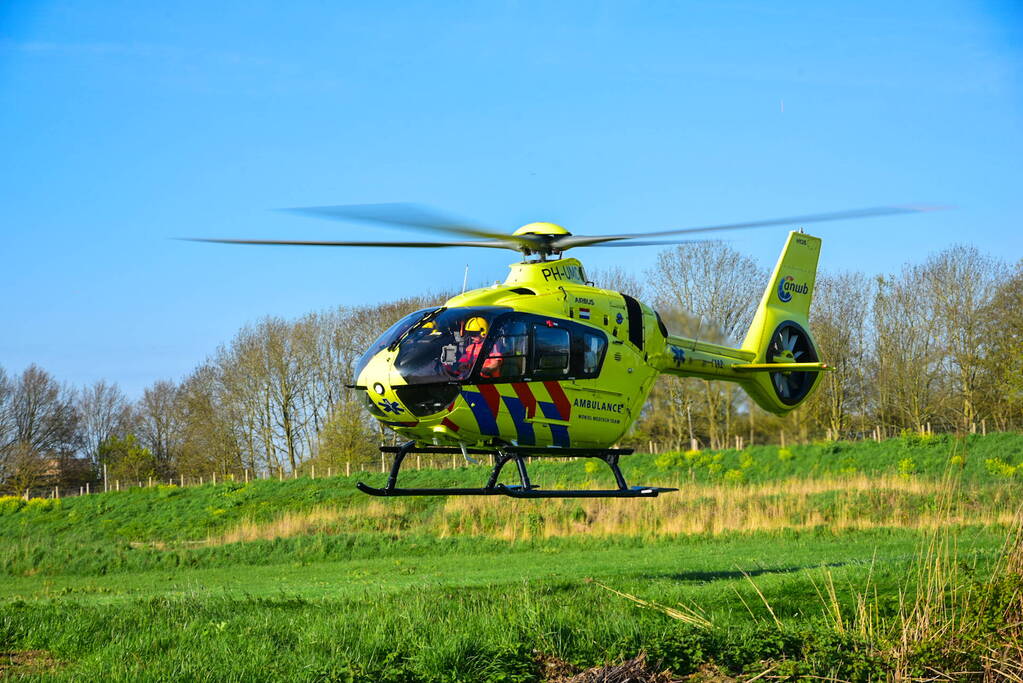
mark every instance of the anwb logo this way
{"type": "Point", "coordinates": [787, 286]}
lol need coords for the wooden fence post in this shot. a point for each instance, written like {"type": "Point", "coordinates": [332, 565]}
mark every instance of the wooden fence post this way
{"type": "Point", "coordinates": [348, 469]}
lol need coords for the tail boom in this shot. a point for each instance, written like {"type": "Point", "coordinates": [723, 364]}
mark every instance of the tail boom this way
{"type": "Point", "coordinates": [777, 364]}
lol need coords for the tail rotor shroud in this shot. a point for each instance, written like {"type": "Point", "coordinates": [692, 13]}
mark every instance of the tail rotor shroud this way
{"type": "Point", "coordinates": [790, 343]}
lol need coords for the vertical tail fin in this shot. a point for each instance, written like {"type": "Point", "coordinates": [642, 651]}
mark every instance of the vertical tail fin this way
{"type": "Point", "coordinates": [780, 332]}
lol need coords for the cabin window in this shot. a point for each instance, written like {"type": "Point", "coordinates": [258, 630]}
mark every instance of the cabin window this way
{"type": "Point", "coordinates": [524, 347]}
{"type": "Point", "coordinates": [587, 353]}
{"type": "Point", "coordinates": [508, 352]}
{"type": "Point", "coordinates": [550, 352]}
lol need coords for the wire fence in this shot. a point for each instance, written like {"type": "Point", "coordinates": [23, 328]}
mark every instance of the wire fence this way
{"type": "Point", "coordinates": [104, 483]}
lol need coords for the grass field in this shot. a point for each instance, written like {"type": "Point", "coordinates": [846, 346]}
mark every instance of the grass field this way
{"type": "Point", "coordinates": [844, 561]}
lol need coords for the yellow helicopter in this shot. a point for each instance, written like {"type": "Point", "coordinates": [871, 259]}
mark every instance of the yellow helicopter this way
{"type": "Point", "coordinates": [547, 364]}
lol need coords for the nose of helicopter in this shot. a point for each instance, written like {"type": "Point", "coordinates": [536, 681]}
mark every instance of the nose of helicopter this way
{"type": "Point", "coordinates": [378, 395]}
{"type": "Point", "coordinates": [383, 401]}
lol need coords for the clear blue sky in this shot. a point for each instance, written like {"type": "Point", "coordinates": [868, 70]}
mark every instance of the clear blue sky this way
{"type": "Point", "coordinates": [123, 124]}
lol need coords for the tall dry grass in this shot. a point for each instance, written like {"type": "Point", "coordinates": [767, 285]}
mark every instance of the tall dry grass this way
{"type": "Point", "coordinates": [949, 625]}
{"type": "Point", "coordinates": [854, 502]}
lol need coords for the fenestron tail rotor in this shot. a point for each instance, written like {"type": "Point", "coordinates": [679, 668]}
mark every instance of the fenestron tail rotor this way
{"type": "Point", "coordinates": [790, 343]}
{"type": "Point", "coordinates": [540, 240]}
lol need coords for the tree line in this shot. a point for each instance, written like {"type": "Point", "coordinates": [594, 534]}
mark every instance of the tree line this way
{"type": "Point", "coordinates": [936, 346]}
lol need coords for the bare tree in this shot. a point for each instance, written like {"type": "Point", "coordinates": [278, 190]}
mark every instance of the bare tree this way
{"type": "Point", "coordinates": [208, 439]}
{"type": "Point", "coordinates": [839, 319]}
{"type": "Point", "coordinates": [158, 426]}
{"type": "Point", "coordinates": [40, 426]}
{"type": "Point", "coordinates": [961, 283]}
{"type": "Point", "coordinates": [105, 412]}
{"type": "Point", "coordinates": [1004, 343]}
{"type": "Point", "coordinates": [618, 279]}
{"type": "Point", "coordinates": [7, 427]}
{"type": "Point", "coordinates": [719, 288]}
{"type": "Point", "coordinates": [711, 282]}
{"type": "Point", "coordinates": [907, 373]}
{"type": "Point", "coordinates": [26, 468]}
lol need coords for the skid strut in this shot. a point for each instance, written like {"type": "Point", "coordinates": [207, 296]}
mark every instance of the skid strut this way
{"type": "Point", "coordinates": [525, 489]}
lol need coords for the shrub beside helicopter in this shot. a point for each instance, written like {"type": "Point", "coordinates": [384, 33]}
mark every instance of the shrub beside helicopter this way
{"type": "Point", "coordinates": [546, 364]}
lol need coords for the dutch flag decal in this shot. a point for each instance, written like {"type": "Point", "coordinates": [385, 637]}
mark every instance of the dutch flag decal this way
{"type": "Point", "coordinates": [584, 314]}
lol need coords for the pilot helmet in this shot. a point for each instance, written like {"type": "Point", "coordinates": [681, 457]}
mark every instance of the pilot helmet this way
{"type": "Point", "coordinates": [476, 325]}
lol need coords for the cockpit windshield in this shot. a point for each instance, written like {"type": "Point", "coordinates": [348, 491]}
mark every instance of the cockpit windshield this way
{"type": "Point", "coordinates": [389, 337]}
{"type": "Point", "coordinates": [444, 347]}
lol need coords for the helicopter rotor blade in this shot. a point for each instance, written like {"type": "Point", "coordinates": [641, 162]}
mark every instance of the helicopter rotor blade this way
{"type": "Point", "coordinates": [592, 240]}
{"type": "Point", "coordinates": [496, 244]}
{"type": "Point", "coordinates": [642, 243]}
{"type": "Point", "coordinates": [421, 218]}
{"type": "Point", "coordinates": [408, 216]}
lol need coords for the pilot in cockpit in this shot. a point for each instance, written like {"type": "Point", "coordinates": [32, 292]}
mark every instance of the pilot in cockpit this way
{"type": "Point", "coordinates": [475, 334]}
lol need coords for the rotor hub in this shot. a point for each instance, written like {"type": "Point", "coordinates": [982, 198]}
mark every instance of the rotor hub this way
{"type": "Point", "coordinates": [541, 229]}
{"type": "Point", "coordinates": [549, 233]}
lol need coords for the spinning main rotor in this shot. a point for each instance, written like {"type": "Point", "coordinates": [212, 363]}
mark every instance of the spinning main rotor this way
{"type": "Point", "coordinates": [538, 240]}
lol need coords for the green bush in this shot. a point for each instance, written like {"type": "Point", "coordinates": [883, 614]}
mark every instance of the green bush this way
{"type": "Point", "coordinates": [1000, 468]}
{"type": "Point", "coordinates": [907, 467]}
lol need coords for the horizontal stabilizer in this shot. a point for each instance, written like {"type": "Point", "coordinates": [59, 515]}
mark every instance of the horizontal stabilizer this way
{"type": "Point", "coordinates": [782, 367]}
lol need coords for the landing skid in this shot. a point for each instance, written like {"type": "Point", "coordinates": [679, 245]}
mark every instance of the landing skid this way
{"type": "Point", "coordinates": [524, 490]}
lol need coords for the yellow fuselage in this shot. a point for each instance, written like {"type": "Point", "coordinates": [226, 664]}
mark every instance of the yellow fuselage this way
{"type": "Point", "coordinates": [571, 365]}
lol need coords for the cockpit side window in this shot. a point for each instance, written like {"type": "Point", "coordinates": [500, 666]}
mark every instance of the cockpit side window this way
{"type": "Point", "coordinates": [445, 347]}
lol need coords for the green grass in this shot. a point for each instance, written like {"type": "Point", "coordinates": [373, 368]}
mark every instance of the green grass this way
{"type": "Point", "coordinates": [126, 586]}
{"type": "Point", "coordinates": [430, 616]}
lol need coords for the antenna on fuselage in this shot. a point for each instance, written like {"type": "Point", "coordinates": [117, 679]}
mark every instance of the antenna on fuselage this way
{"type": "Point", "coordinates": [465, 280]}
